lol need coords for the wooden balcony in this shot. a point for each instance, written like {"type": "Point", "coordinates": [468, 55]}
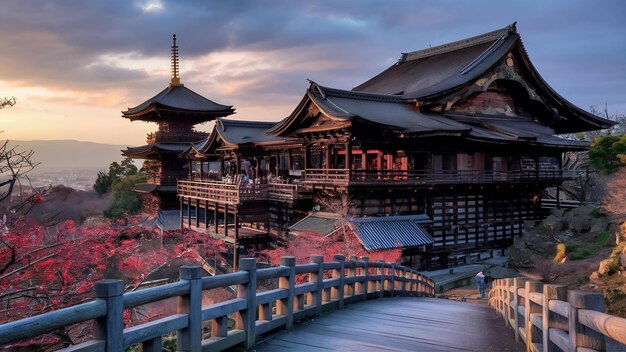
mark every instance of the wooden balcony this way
{"type": "Point", "coordinates": [343, 177]}
{"type": "Point", "coordinates": [233, 194]}
{"type": "Point", "coordinates": [175, 137]}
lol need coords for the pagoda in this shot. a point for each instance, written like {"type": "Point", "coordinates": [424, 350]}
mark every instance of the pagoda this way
{"type": "Point", "coordinates": [176, 110]}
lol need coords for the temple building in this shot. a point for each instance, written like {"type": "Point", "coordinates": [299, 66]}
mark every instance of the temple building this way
{"type": "Point", "coordinates": [176, 110]}
{"type": "Point", "coordinates": [443, 154]}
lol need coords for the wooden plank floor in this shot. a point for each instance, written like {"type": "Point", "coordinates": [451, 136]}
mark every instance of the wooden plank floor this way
{"type": "Point", "coordinates": [398, 324]}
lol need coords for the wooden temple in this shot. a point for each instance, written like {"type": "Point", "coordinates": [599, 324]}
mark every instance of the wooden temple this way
{"type": "Point", "coordinates": [464, 133]}
{"type": "Point", "coordinates": [176, 109]}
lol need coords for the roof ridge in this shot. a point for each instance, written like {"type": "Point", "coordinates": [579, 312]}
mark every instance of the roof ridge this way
{"type": "Point", "coordinates": [459, 44]}
{"type": "Point", "coordinates": [358, 95]}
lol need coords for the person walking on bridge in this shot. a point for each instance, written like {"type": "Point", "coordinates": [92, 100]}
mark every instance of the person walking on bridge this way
{"type": "Point", "coordinates": [480, 282]}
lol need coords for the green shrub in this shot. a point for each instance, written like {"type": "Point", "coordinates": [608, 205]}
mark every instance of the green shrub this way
{"type": "Point", "coordinates": [601, 238]}
{"type": "Point", "coordinates": [597, 213]}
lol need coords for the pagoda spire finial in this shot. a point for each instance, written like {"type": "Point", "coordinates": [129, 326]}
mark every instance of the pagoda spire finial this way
{"type": "Point", "coordinates": [175, 77]}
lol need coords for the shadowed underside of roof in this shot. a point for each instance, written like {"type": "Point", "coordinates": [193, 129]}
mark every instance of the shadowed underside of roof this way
{"type": "Point", "coordinates": [157, 148]}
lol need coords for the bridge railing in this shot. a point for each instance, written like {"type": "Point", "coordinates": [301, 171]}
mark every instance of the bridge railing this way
{"type": "Point", "coordinates": [325, 286]}
{"type": "Point", "coordinates": [549, 318]}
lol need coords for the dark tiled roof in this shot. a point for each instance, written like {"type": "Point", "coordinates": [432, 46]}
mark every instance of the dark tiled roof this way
{"type": "Point", "coordinates": [180, 98]}
{"type": "Point", "coordinates": [387, 232]}
{"type": "Point", "coordinates": [321, 223]}
{"type": "Point", "coordinates": [426, 72]}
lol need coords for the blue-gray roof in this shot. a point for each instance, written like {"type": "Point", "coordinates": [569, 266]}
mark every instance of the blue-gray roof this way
{"type": "Point", "coordinates": [321, 223]}
{"type": "Point", "coordinates": [387, 232]}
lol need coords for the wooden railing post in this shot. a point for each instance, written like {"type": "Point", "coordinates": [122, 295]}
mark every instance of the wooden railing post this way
{"type": "Point", "coordinates": [551, 292]}
{"type": "Point", "coordinates": [337, 292]}
{"type": "Point", "coordinates": [246, 320]}
{"type": "Point", "coordinates": [366, 284]}
{"type": "Point", "coordinates": [318, 277]}
{"type": "Point", "coordinates": [285, 306]}
{"type": "Point", "coordinates": [351, 288]}
{"type": "Point", "coordinates": [110, 327]}
{"type": "Point", "coordinates": [518, 283]}
{"type": "Point", "coordinates": [580, 335]}
{"type": "Point", "coordinates": [508, 302]}
{"type": "Point", "coordinates": [189, 338]}
{"type": "Point", "coordinates": [532, 332]}
{"type": "Point", "coordinates": [381, 272]}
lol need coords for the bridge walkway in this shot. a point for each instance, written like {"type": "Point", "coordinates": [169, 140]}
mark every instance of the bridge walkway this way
{"type": "Point", "coordinates": [399, 324]}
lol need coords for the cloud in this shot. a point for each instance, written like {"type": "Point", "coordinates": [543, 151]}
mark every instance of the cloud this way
{"type": "Point", "coordinates": [257, 55]}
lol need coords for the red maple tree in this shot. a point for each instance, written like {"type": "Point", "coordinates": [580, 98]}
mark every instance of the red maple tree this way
{"type": "Point", "coordinates": [47, 268]}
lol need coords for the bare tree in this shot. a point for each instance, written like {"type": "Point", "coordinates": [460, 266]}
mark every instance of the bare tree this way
{"type": "Point", "coordinates": [14, 164]}
{"type": "Point", "coordinates": [7, 102]}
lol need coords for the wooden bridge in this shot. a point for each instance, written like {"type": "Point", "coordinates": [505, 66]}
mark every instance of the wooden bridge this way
{"type": "Point", "coordinates": [342, 305]}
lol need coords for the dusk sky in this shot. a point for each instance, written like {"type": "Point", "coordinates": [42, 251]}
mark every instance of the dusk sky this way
{"type": "Point", "coordinates": [74, 65]}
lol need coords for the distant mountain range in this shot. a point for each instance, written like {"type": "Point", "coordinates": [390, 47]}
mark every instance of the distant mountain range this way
{"type": "Point", "coordinates": [60, 155]}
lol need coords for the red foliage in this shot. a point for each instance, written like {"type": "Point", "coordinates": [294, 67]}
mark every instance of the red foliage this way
{"type": "Point", "coordinates": [343, 241]}
{"type": "Point", "coordinates": [44, 269]}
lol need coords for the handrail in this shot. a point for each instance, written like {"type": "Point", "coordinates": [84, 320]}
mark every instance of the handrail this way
{"type": "Point", "coordinates": [233, 194]}
{"type": "Point", "coordinates": [548, 316]}
{"type": "Point", "coordinates": [345, 176]}
{"type": "Point", "coordinates": [346, 282]}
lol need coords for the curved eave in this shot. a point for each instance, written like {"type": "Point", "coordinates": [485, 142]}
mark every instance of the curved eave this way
{"type": "Point", "coordinates": [153, 113]}
{"type": "Point", "coordinates": [593, 122]}
{"type": "Point", "coordinates": [283, 126]}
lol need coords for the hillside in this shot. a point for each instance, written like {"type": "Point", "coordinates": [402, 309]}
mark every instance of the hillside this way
{"type": "Point", "coordinates": [59, 155]}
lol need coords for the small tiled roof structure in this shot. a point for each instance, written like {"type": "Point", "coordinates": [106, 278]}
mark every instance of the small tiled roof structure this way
{"type": "Point", "coordinates": [375, 233]}
{"type": "Point", "coordinates": [388, 232]}
{"type": "Point", "coordinates": [321, 223]}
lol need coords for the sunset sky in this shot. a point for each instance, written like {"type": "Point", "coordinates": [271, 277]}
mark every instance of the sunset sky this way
{"type": "Point", "coordinates": [74, 65]}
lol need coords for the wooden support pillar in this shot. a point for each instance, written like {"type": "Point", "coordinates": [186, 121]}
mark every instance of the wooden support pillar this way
{"type": "Point", "coordinates": [206, 215]}
{"type": "Point", "coordinates": [238, 164]}
{"type": "Point", "coordinates": [285, 306]}
{"type": "Point", "coordinates": [518, 283]}
{"type": "Point", "coordinates": [327, 157]}
{"type": "Point", "coordinates": [110, 327]}
{"type": "Point", "coordinates": [307, 156]}
{"type": "Point", "coordinates": [226, 222]}
{"type": "Point", "coordinates": [349, 156]}
{"type": "Point", "coordinates": [197, 213]}
{"type": "Point", "coordinates": [190, 169]}
{"type": "Point", "coordinates": [215, 215]}
{"type": "Point", "coordinates": [182, 218]}
{"type": "Point", "coordinates": [189, 213]}
{"type": "Point", "coordinates": [201, 169]}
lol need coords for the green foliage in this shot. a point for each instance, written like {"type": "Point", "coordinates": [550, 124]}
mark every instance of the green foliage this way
{"type": "Point", "coordinates": [119, 181]}
{"type": "Point", "coordinates": [597, 213]}
{"type": "Point", "coordinates": [601, 239]}
{"type": "Point", "coordinates": [613, 295]}
{"type": "Point", "coordinates": [125, 200]}
{"type": "Point", "coordinates": [117, 171]}
{"type": "Point", "coordinates": [608, 153]}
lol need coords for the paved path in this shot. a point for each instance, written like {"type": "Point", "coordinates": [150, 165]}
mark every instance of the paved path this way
{"type": "Point", "coordinates": [399, 324]}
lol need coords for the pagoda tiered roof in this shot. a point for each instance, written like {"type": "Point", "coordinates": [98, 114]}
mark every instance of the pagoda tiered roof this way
{"type": "Point", "coordinates": [179, 100]}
